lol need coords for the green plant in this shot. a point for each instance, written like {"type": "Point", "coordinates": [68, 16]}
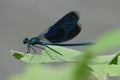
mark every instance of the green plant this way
{"type": "Point", "coordinates": [75, 65]}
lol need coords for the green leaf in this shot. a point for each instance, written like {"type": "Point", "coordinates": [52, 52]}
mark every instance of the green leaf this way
{"type": "Point", "coordinates": [68, 55]}
{"type": "Point", "coordinates": [107, 41]}
{"type": "Point", "coordinates": [102, 70]}
{"type": "Point", "coordinates": [17, 56]}
{"type": "Point", "coordinates": [81, 71]}
{"type": "Point", "coordinates": [103, 59]}
{"type": "Point", "coordinates": [115, 59]}
{"type": "Point", "coordinates": [107, 65]}
{"type": "Point", "coordinates": [43, 72]}
{"type": "Point", "coordinates": [107, 59]}
{"type": "Point", "coordinates": [118, 61]}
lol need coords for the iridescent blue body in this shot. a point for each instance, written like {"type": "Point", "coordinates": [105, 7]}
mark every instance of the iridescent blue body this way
{"type": "Point", "coordinates": [63, 30]}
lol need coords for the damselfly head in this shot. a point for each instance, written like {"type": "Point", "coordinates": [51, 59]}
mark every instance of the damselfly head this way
{"type": "Point", "coordinates": [25, 40]}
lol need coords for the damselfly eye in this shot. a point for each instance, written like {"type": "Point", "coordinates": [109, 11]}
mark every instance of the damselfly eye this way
{"type": "Point", "coordinates": [25, 40]}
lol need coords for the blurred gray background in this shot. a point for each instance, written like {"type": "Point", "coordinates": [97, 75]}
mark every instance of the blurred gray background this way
{"type": "Point", "coordinates": [27, 18]}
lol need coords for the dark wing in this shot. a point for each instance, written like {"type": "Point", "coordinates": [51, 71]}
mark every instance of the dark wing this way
{"type": "Point", "coordinates": [65, 29]}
